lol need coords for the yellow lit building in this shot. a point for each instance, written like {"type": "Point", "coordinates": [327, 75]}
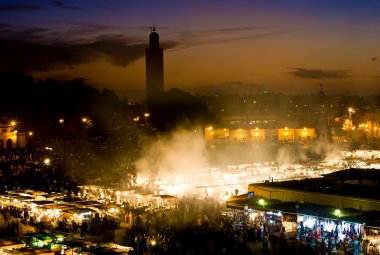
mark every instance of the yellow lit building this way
{"type": "Point", "coordinates": [217, 135]}
{"type": "Point", "coordinates": [305, 134]}
{"type": "Point", "coordinates": [370, 125]}
{"type": "Point", "coordinates": [239, 135]}
{"type": "Point", "coordinates": [8, 135]}
{"type": "Point", "coordinates": [271, 135]}
{"type": "Point", "coordinates": [209, 134]}
{"type": "Point", "coordinates": [259, 135]}
{"type": "Point", "coordinates": [286, 135]}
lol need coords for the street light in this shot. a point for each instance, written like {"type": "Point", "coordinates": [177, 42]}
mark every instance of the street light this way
{"type": "Point", "coordinates": [226, 197]}
{"type": "Point", "coordinates": [13, 123]}
{"type": "Point", "coordinates": [47, 161]}
{"type": "Point", "coordinates": [304, 131]}
{"type": "Point", "coordinates": [351, 111]}
{"type": "Point", "coordinates": [262, 202]}
{"type": "Point", "coordinates": [337, 212]}
{"type": "Point", "coordinates": [87, 122]}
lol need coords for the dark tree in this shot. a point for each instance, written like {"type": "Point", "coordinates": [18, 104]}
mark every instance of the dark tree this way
{"type": "Point", "coordinates": [176, 108]}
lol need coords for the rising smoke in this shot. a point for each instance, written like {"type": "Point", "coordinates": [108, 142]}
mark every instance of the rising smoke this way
{"type": "Point", "coordinates": [185, 151]}
{"type": "Point", "coordinates": [321, 151]}
{"type": "Point", "coordinates": [181, 163]}
{"type": "Point", "coordinates": [172, 155]}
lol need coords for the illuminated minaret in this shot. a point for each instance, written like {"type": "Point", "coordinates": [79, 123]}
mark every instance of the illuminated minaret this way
{"type": "Point", "coordinates": [154, 66]}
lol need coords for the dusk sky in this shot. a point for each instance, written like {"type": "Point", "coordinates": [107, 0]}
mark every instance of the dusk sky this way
{"type": "Point", "coordinates": [289, 46]}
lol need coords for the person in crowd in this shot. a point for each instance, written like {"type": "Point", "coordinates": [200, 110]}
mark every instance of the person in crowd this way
{"type": "Point", "coordinates": [266, 242]}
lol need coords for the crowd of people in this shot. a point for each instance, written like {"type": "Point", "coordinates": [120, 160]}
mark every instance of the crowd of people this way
{"type": "Point", "coordinates": [10, 224]}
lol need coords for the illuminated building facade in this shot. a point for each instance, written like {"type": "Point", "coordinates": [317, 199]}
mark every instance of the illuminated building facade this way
{"type": "Point", "coordinates": [370, 125]}
{"type": "Point", "coordinates": [286, 135]}
{"type": "Point", "coordinates": [8, 135]}
{"type": "Point", "coordinates": [259, 135]}
{"type": "Point", "coordinates": [351, 188]}
{"type": "Point", "coordinates": [305, 134]}
{"type": "Point", "coordinates": [154, 66]}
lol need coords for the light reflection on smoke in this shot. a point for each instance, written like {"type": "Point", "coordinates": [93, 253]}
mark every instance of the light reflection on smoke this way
{"type": "Point", "coordinates": [178, 165]}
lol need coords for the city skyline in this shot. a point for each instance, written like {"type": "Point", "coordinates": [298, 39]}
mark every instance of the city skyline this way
{"type": "Point", "coordinates": [240, 46]}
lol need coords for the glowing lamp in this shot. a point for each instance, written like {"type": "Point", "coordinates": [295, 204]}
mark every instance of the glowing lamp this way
{"type": "Point", "coordinates": [226, 196]}
{"type": "Point", "coordinates": [47, 161]}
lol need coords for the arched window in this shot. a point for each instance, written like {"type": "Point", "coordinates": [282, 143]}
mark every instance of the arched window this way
{"type": "Point", "coordinates": [9, 144]}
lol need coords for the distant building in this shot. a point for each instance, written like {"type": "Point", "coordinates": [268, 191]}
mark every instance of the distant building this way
{"type": "Point", "coordinates": [286, 135]}
{"type": "Point", "coordinates": [351, 188]}
{"type": "Point", "coordinates": [217, 135]}
{"type": "Point", "coordinates": [154, 66]}
{"type": "Point", "coordinates": [370, 124]}
{"type": "Point", "coordinates": [258, 135]}
{"type": "Point", "coordinates": [10, 137]}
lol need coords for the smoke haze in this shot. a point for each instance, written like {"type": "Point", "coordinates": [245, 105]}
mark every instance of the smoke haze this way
{"type": "Point", "coordinates": [180, 152]}
{"type": "Point", "coordinates": [181, 164]}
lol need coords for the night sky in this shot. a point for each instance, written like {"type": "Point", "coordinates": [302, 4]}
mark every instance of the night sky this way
{"type": "Point", "coordinates": [249, 46]}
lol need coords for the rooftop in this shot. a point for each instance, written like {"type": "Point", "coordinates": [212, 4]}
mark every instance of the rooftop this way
{"type": "Point", "coordinates": [361, 183]}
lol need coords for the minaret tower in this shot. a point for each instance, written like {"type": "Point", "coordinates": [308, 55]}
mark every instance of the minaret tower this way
{"type": "Point", "coordinates": [154, 65]}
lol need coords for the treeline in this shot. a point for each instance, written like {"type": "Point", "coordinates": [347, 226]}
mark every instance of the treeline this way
{"type": "Point", "coordinates": [40, 104]}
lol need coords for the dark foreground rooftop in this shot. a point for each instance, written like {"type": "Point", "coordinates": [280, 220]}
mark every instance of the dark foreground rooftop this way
{"type": "Point", "coordinates": [361, 183]}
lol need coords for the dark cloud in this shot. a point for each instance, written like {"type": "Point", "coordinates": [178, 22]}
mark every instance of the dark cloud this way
{"type": "Point", "coordinates": [222, 31]}
{"type": "Point", "coordinates": [32, 55]}
{"type": "Point", "coordinates": [224, 35]}
{"type": "Point", "coordinates": [29, 56]}
{"type": "Point", "coordinates": [19, 7]}
{"type": "Point", "coordinates": [60, 4]}
{"type": "Point", "coordinates": [319, 73]}
{"type": "Point", "coordinates": [14, 33]}
{"type": "Point", "coordinates": [119, 53]}
{"type": "Point", "coordinates": [374, 59]}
